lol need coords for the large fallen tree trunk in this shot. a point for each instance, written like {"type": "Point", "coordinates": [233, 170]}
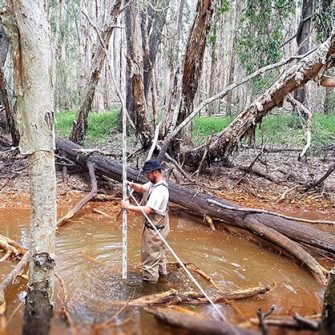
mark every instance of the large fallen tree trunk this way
{"type": "Point", "coordinates": [309, 68]}
{"type": "Point", "coordinates": [280, 231]}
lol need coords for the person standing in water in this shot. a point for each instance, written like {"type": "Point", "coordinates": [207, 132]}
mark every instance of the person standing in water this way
{"type": "Point", "coordinates": [156, 199]}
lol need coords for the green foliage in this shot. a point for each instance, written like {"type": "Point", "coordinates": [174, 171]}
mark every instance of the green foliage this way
{"type": "Point", "coordinates": [224, 6]}
{"type": "Point", "coordinates": [100, 125]}
{"type": "Point", "coordinates": [324, 19]}
{"type": "Point", "coordinates": [261, 34]}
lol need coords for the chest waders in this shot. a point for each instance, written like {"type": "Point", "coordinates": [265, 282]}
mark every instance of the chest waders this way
{"type": "Point", "coordinates": [152, 247]}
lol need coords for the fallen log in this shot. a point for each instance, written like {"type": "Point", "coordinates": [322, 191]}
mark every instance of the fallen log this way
{"type": "Point", "coordinates": [173, 297]}
{"type": "Point", "coordinates": [198, 202]}
{"type": "Point", "coordinates": [198, 324]}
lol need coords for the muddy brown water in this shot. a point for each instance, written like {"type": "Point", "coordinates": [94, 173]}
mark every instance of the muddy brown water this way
{"type": "Point", "coordinates": [89, 263]}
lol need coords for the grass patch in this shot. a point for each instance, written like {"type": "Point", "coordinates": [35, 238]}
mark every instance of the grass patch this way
{"type": "Point", "coordinates": [204, 127]}
{"type": "Point", "coordinates": [275, 129]}
{"type": "Point", "coordinates": [100, 125]}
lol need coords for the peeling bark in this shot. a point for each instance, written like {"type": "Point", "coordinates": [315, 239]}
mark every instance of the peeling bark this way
{"type": "Point", "coordinates": [10, 115]}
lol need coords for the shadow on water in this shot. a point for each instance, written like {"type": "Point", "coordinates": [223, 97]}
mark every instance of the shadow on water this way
{"type": "Point", "coordinates": [89, 275]}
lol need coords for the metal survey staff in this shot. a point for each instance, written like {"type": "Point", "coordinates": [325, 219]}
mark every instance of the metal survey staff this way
{"type": "Point", "coordinates": [156, 199]}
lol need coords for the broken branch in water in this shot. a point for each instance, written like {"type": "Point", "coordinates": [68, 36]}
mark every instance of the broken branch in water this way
{"type": "Point", "coordinates": [11, 248]}
{"type": "Point", "coordinates": [173, 297]}
{"type": "Point", "coordinates": [10, 278]}
{"type": "Point", "coordinates": [83, 201]}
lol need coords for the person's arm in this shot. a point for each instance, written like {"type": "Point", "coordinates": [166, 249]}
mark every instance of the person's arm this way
{"type": "Point", "coordinates": [137, 187]}
{"type": "Point", "coordinates": [126, 205]}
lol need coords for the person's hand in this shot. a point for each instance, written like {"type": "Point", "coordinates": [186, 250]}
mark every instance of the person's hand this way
{"type": "Point", "coordinates": [131, 184]}
{"type": "Point", "coordinates": [125, 204]}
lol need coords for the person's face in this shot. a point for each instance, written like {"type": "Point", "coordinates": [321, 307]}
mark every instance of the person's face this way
{"type": "Point", "coordinates": [151, 176]}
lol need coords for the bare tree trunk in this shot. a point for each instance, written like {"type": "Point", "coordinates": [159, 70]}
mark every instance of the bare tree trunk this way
{"type": "Point", "coordinates": [303, 38]}
{"type": "Point", "coordinates": [328, 313]}
{"type": "Point", "coordinates": [80, 126]}
{"type": "Point", "coordinates": [232, 59]}
{"type": "Point", "coordinates": [193, 64]}
{"type": "Point", "coordinates": [130, 104]}
{"type": "Point", "coordinates": [329, 102]}
{"type": "Point", "coordinates": [135, 71]}
{"type": "Point", "coordinates": [212, 108]}
{"type": "Point", "coordinates": [173, 59]}
{"type": "Point", "coordinates": [153, 34]}
{"type": "Point", "coordinates": [10, 118]}
{"type": "Point", "coordinates": [59, 42]}
{"type": "Point", "coordinates": [27, 27]}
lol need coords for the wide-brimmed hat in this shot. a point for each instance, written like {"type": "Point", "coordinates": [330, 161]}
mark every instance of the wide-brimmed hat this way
{"type": "Point", "coordinates": [151, 165]}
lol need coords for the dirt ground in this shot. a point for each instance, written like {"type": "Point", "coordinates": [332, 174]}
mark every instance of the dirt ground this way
{"type": "Point", "coordinates": [276, 181]}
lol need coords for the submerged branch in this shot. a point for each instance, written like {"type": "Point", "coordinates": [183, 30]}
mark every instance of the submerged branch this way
{"type": "Point", "coordinates": [83, 201]}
